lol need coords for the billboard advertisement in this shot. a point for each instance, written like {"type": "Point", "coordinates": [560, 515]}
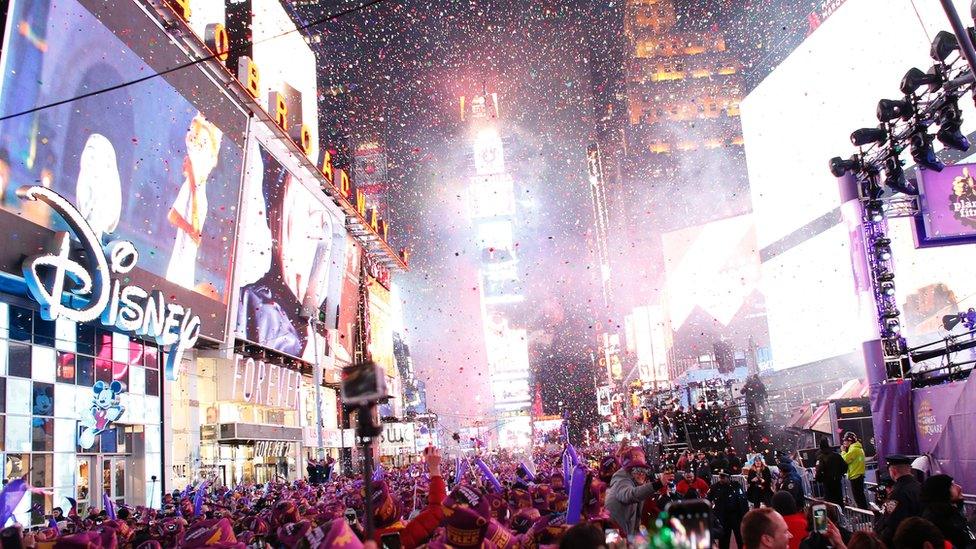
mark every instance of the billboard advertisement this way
{"type": "Point", "coordinates": [344, 346]}
{"type": "Point", "coordinates": [157, 163]}
{"type": "Point", "coordinates": [380, 327]}
{"type": "Point", "coordinates": [712, 287]}
{"type": "Point", "coordinates": [295, 245]}
{"type": "Point", "coordinates": [947, 206]}
{"type": "Point", "coordinates": [369, 169]}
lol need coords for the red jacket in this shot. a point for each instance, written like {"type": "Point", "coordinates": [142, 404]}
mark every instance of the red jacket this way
{"type": "Point", "coordinates": [797, 522]}
{"type": "Point", "coordinates": [421, 527]}
{"type": "Point", "coordinates": [698, 484]}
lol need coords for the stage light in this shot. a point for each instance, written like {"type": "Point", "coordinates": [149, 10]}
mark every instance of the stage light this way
{"type": "Point", "coordinates": [886, 276]}
{"type": "Point", "coordinates": [943, 45]}
{"type": "Point", "coordinates": [895, 177]}
{"type": "Point", "coordinates": [890, 313]}
{"type": "Point", "coordinates": [882, 249]}
{"type": "Point", "coordinates": [951, 321]}
{"type": "Point", "coordinates": [839, 166]}
{"type": "Point", "coordinates": [888, 288]}
{"type": "Point", "coordinates": [950, 124]}
{"type": "Point", "coordinates": [923, 153]}
{"type": "Point", "coordinates": [915, 79]}
{"type": "Point", "coordinates": [893, 325]}
{"type": "Point", "coordinates": [893, 109]}
{"type": "Point", "coordinates": [867, 136]}
{"type": "Point", "coordinates": [875, 211]}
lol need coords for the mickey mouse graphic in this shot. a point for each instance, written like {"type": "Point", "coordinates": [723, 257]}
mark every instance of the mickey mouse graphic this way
{"type": "Point", "coordinates": [105, 410]}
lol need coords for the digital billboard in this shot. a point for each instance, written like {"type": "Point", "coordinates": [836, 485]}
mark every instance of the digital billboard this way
{"type": "Point", "coordinates": [947, 206]}
{"type": "Point", "coordinates": [157, 163]}
{"type": "Point", "coordinates": [712, 286]}
{"type": "Point", "coordinates": [294, 243]}
{"type": "Point", "coordinates": [800, 116]}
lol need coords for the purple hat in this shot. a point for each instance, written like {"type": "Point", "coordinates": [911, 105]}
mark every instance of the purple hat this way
{"type": "Point", "coordinates": [338, 535]}
{"type": "Point", "coordinates": [464, 527]}
{"type": "Point", "coordinates": [501, 537]}
{"type": "Point", "coordinates": [215, 533]}
{"type": "Point", "coordinates": [524, 519]}
{"type": "Point", "coordinates": [386, 506]}
{"type": "Point", "coordinates": [291, 535]}
{"type": "Point", "coordinates": [467, 496]}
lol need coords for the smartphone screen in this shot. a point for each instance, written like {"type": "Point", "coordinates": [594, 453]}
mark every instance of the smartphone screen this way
{"type": "Point", "coordinates": [390, 541]}
{"type": "Point", "coordinates": [612, 535]}
{"type": "Point", "coordinates": [820, 518]}
{"type": "Point", "coordinates": [695, 518]}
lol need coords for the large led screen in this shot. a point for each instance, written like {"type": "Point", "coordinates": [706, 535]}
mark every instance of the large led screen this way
{"type": "Point", "coordinates": [800, 116]}
{"type": "Point", "coordinates": [712, 291]}
{"type": "Point", "coordinates": [157, 163]}
{"type": "Point", "coordinates": [294, 243]}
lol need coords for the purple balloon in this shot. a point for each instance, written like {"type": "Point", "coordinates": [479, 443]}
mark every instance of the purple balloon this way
{"type": "Point", "coordinates": [575, 509]}
{"type": "Point", "coordinates": [489, 476]}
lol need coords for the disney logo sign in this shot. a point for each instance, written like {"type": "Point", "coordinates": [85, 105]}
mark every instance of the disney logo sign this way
{"type": "Point", "coordinates": [84, 291]}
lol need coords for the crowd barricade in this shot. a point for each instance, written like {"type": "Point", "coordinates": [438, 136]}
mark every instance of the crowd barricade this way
{"type": "Point", "coordinates": [852, 518]}
{"type": "Point", "coordinates": [741, 479]}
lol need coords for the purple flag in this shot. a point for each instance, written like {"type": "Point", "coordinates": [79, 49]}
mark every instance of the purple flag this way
{"type": "Point", "coordinates": [109, 505]}
{"type": "Point", "coordinates": [9, 499]}
{"type": "Point", "coordinates": [573, 455]}
{"type": "Point", "coordinates": [524, 472]}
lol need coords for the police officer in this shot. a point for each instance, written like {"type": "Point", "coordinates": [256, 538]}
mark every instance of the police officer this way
{"type": "Point", "coordinates": [903, 502]}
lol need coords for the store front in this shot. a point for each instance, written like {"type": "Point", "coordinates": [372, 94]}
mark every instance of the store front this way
{"type": "Point", "coordinates": [52, 374]}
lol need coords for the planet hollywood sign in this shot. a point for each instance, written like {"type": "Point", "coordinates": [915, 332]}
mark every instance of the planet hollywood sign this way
{"type": "Point", "coordinates": [85, 290]}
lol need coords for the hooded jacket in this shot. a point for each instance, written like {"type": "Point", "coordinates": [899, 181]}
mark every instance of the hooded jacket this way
{"type": "Point", "coordinates": [854, 456]}
{"type": "Point", "coordinates": [625, 499]}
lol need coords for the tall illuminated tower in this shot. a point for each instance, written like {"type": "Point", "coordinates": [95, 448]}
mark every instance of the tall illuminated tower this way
{"type": "Point", "coordinates": [491, 201]}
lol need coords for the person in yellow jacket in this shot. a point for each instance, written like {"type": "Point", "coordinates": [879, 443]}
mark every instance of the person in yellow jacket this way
{"type": "Point", "coordinates": [853, 454]}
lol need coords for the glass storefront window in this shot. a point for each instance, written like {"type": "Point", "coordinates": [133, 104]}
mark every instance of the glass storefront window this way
{"type": "Point", "coordinates": [43, 436]}
{"type": "Point", "coordinates": [21, 321]}
{"type": "Point", "coordinates": [19, 359]}
{"type": "Point", "coordinates": [86, 370]}
{"type": "Point", "coordinates": [85, 342]}
{"type": "Point", "coordinates": [44, 331]}
{"type": "Point", "coordinates": [65, 368]}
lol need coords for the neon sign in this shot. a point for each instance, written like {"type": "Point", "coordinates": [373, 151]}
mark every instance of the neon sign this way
{"type": "Point", "coordinates": [85, 291]}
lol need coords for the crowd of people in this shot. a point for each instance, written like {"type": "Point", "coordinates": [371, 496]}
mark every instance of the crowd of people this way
{"type": "Point", "coordinates": [602, 496]}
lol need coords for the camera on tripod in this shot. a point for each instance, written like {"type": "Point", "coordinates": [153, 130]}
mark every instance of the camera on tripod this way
{"type": "Point", "coordinates": [363, 383]}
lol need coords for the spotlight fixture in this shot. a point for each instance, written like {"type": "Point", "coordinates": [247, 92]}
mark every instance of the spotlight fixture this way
{"type": "Point", "coordinates": [875, 211]}
{"type": "Point", "coordinates": [867, 136]}
{"type": "Point", "coordinates": [943, 45]}
{"type": "Point", "coordinates": [923, 153]}
{"type": "Point", "coordinates": [888, 288]}
{"type": "Point", "coordinates": [893, 109]}
{"type": "Point", "coordinates": [839, 166]}
{"type": "Point", "coordinates": [893, 325]}
{"type": "Point", "coordinates": [951, 321]}
{"type": "Point", "coordinates": [886, 276]}
{"type": "Point", "coordinates": [915, 79]}
{"type": "Point", "coordinates": [890, 313]}
{"type": "Point", "coordinates": [950, 124]}
{"type": "Point", "coordinates": [895, 177]}
{"type": "Point", "coordinates": [882, 249]}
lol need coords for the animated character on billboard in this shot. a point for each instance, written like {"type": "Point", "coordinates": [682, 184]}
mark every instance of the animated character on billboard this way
{"type": "Point", "coordinates": [105, 410]}
{"type": "Point", "coordinates": [297, 278]}
{"type": "Point", "coordinates": [99, 187]}
{"type": "Point", "coordinates": [189, 211]}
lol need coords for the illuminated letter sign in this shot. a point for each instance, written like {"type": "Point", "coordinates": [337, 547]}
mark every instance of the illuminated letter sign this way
{"type": "Point", "coordinates": [247, 73]}
{"type": "Point", "coordinates": [305, 139]}
{"type": "Point", "coordinates": [277, 101]}
{"type": "Point", "coordinates": [181, 7]}
{"type": "Point", "coordinates": [65, 288]}
{"type": "Point", "coordinates": [344, 186]}
{"type": "Point", "coordinates": [217, 40]}
{"type": "Point", "coordinates": [327, 166]}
